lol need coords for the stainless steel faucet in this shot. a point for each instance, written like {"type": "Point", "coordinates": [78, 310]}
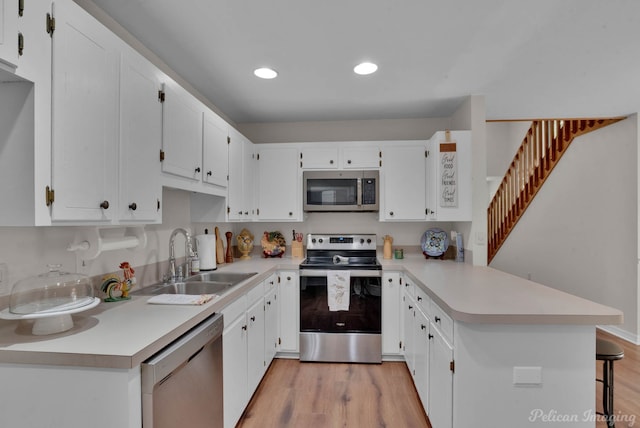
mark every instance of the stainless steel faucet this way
{"type": "Point", "coordinates": [188, 250]}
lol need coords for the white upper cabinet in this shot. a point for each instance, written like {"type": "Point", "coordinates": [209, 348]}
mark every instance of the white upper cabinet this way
{"type": "Point", "coordinates": [361, 157]}
{"type": "Point", "coordinates": [85, 126]}
{"type": "Point", "coordinates": [278, 184]}
{"type": "Point", "coordinates": [319, 157]}
{"type": "Point", "coordinates": [340, 155]}
{"type": "Point", "coordinates": [240, 197]}
{"type": "Point", "coordinates": [181, 132]}
{"type": "Point", "coordinates": [215, 146]}
{"type": "Point", "coordinates": [140, 139]}
{"type": "Point", "coordinates": [404, 179]}
{"type": "Point", "coordinates": [9, 32]}
{"type": "Point", "coordinates": [449, 184]}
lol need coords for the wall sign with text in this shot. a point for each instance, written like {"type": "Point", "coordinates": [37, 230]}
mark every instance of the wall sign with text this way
{"type": "Point", "coordinates": [448, 175]}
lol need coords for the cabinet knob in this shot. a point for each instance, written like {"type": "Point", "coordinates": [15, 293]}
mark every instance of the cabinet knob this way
{"type": "Point", "coordinates": [253, 319]}
{"type": "Point", "coordinates": [239, 212]}
{"type": "Point", "coordinates": [349, 161]}
{"type": "Point", "coordinates": [391, 213]}
{"type": "Point", "coordinates": [437, 319]}
{"type": "Point", "coordinates": [288, 278]}
{"type": "Point", "coordinates": [133, 206]}
{"type": "Point", "coordinates": [268, 302]}
{"type": "Point", "coordinates": [209, 173]}
{"type": "Point", "coordinates": [419, 299]}
{"type": "Point", "coordinates": [390, 280]}
{"type": "Point", "coordinates": [422, 326]}
{"type": "Point", "coordinates": [197, 169]}
{"type": "Point", "coordinates": [104, 205]}
{"type": "Point", "coordinates": [246, 213]}
{"type": "Point", "coordinates": [244, 327]}
{"type": "Point", "coordinates": [430, 336]}
{"type": "Point", "coordinates": [290, 213]}
{"type": "Point", "coordinates": [331, 162]}
{"type": "Point", "coordinates": [410, 307]}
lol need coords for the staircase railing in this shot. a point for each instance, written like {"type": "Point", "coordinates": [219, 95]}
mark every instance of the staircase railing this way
{"type": "Point", "coordinates": [543, 146]}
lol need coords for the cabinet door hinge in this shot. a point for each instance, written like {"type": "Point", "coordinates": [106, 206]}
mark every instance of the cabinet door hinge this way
{"type": "Point", "coordinates": [380, 154]}
{"type": "Point", "coordinates": [228, 140]}
{"type": "Point", "coordinates": [161, 95]}
{"type": "Point", "coordinates": [20, 7]}
{"type": "Point", "coordinates": [49, 195]}
{"type": "Point", "coordinates": [158, 208]}
{"type": "Point", "coordinates": [278, 279]}
{"type": "Point", "coordinates": [51, 24]}
{"type": "Point", "coordinates": [400, 344]}
{"type": "Point", "coordinates": [228, 210]}
{"type": "Point", "coordinates": [161, 155]}
{"type": "Point", "coordinates": [426, 153]}
{"type": "Point", "coordinates": [258, 211]}
{"type": "Point", "coordinates": [258, 156]}
{"type": "Point", "coordinates": [279, 341]}
{"type": "Point", "coordinates": [452, 366]}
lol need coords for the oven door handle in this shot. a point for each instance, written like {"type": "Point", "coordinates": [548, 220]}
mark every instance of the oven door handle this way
{"type": "Point", "coordinates": [372, 273]}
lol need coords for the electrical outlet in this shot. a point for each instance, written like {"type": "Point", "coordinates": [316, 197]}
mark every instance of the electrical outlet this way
{"type": "Point", "coordinates": [4, 279]}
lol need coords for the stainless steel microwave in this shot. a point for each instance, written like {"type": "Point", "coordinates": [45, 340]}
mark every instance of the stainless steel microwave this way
{"type": "Point", "coordinates": [341, 190]}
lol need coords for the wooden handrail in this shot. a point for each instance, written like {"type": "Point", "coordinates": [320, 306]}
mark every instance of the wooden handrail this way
{"type": "Point", "coordinates": [541, 149]}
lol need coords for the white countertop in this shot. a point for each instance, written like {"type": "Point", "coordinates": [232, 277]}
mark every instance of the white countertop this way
{"type": "Point", "coordinates": [122, 335]}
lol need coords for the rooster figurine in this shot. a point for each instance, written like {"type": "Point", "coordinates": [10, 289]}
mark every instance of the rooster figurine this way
{"type": "Point", "coordinates": [116, 289]}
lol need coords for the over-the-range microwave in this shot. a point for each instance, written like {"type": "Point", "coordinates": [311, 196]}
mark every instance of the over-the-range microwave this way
{"type": "Point", "coordinates": [355, 190]}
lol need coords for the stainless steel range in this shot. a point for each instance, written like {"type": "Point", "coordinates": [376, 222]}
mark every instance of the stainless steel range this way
{"type": "Point", "coordinates": [340, 299]}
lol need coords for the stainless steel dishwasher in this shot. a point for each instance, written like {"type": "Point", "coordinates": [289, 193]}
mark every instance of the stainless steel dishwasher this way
{"type": "Point", "coordinates": [182, 384]}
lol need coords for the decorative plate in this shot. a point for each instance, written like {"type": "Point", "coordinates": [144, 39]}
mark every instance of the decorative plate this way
{"type": "Point", "coordinates": [434, 242]}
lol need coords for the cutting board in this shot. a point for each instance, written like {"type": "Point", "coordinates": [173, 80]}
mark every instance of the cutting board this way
{"type": "Point", "coordinates": [219, 248]}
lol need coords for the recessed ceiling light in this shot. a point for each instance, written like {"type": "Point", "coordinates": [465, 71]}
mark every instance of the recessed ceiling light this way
{"type": "Point", "coordinates": [365, 68]}
{"type": "Point", "coordinates": [265, 73]}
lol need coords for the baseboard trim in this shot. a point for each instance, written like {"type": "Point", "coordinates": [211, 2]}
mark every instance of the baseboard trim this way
{"type": "Point", "coordinates": [622, 334]}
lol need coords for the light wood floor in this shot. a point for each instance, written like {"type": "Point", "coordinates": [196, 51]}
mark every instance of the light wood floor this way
{"type": "Point", "coordinates": [310, 395]}
{"type": "Point", "coordinates": [626, 373]}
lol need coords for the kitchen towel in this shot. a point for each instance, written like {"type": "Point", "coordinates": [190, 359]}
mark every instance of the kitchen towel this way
{"type": "Point", "coordinates": [338, 290]}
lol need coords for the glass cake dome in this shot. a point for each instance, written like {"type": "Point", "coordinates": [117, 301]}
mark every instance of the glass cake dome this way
{"type": "Point", "coordinates": [53, 291]}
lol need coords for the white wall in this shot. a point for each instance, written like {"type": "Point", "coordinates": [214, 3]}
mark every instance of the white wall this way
{"type": "Point", "coordinates": [580, 234]}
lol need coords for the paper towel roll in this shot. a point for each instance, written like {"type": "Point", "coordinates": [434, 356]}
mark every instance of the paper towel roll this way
{"type": "Point", "coordinates": [206, 248]}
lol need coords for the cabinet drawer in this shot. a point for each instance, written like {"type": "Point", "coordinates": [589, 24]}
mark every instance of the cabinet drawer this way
{"type": "Point", "coordinates": [234, 310]}
{"type": "Point", "coordinates": [255, 294]}
{"type": "Point", "coordinates": [269, 283]}
{"type": "Point", "coordinates": [442, 321]}
{"type": "Point", "coordinates": [423, 301]}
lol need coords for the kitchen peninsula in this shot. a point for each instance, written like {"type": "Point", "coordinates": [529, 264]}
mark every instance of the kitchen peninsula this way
{"type": "Point", "coordinates": [531, 346]}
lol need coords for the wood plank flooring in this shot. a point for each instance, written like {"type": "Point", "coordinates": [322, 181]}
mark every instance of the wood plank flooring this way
{"type": "Point", "coordinates": [310, 395]}
{"type": "Point", "coordinates": [626, 373]}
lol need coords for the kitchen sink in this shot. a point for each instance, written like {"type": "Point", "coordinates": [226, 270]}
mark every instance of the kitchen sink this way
{"type": "Point", "coordinates": [202, 283]}
{"type": "Point", "coordinates": [197, 287]}
{"type": "Point", "coordinates": [232, 277]}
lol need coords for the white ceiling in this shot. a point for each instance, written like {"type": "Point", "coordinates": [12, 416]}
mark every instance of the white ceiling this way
{"type": "Point", "coordinates": [533, 58]}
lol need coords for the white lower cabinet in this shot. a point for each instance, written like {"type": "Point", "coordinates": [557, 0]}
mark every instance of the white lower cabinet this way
{"type": "Point", "coordinates": [289, 311]}
{"type": "Point", "coordinates": [421, 336]}
{"type": "Point", "coordinates": [256, 365]}
{"type": "Point", "coordinates": [408, 342]}
{"type": "Point", "coordinates": [271, 311]}
{"type": "Point", "coordinates": [440, 381]}
{"type": "Point", "coordinates": [391, 307]}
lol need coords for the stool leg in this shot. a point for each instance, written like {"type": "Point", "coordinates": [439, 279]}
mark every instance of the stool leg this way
{"type": "Point", "coordinates": [607, 392]}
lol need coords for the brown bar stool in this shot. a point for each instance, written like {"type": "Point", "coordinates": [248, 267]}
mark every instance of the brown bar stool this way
{"type": "Point", "coordinates": [607, 352]}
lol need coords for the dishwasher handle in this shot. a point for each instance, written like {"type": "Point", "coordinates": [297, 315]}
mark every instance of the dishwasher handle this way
{"type": "Point", "coordinates": [183, 349]}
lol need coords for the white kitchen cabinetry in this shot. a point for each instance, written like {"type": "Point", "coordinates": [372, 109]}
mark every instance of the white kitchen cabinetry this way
{"type": "Point", "coordinates": [215, 150]}
{"type": "Point", "coordinates": [289, 311]}
{"type": "Point", "coordinates": [140, 139]}
{"type": "Point", "coordinates": [452, 202]}
{"type": "Point", "coordinates": [421, 336]}
{"type": "Point", "coordinates": [181, 132]}
{"type": "Point", "coordinates": [408, 314]}
{"type": "Point", "coordinates": [361, 157]}
{"type": "Point", "coordinates": [404, 183]}
{"type": "Point", "coordinates": [85, 126]}
{"type": "Point", "coordinates": [440, 380]}
{"type": "Point", "coordinates": [319, 157]}
{"type": "Point", "coordinates": [278, 184]}
{"type": "Point", "coordinates": [391, 309]}
{"type": "Point", "coordinates": [271, 312]}
{"type": "Point", "coordinates": [9, 32]}
{"type": "Point", "coordinates": [235, 357]}
{"type": "Point", "coordinates": [256, 365]}
{"type": "Point", "coordinates": [240, 197]}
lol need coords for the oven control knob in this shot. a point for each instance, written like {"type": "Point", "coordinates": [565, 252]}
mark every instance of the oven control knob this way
{"type": "Point", "coordinates": [361, 240]}
{"type": "Point", "coordinates": [369, 241]}
{"type": "Point", "coordinates": [313, 240]}
{"type": "Point", "coordinates": [320, 240]}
